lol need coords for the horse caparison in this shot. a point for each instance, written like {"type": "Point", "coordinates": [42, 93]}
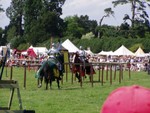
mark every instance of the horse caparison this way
{"type": "Point", "coordinates": [80, 68]}
{"type": "Point", "coordinates": [49, 73]}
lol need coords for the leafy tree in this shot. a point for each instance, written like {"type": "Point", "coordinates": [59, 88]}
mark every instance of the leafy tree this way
{"type": "Point", "coordinates": [138, 8]}
{"type": "Point", "coordinates": [73, 28]}
{"type": "Point", "coordinates": [32, 12]}
{"type": "Point", "coordinates": [42, 19]}
{"type": "Point", "coordinates": [86, 24]}
{"type": "Point", "coordinates": [2, 38]}
{"type": "Point", "coordinates": [108, 12]}
{"type": "Point", "coordinates": [78, 26]}
{"type": "Point", "coordinates": [1, 9]}
{"type": "Point", "coordinates": [15, 13]}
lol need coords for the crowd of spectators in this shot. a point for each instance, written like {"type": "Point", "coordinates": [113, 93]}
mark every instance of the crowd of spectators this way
{"type": "Point", "coordinates": [132, 62]}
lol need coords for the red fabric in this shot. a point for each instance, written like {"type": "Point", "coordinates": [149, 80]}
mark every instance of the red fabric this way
{"type": "Point", "coordinates": [77, 68]}
{"type": "Point", "coordinates": [131, 99]}
{"type": "Point", "coordinates": [31, 52]}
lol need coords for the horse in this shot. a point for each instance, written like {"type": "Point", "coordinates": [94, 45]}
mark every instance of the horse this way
{"type": "Point", "coordinates": [81, 67]}
{"type": "Point", "coordinates": [50, 70]}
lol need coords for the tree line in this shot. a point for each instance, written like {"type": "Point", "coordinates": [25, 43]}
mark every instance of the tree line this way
{"type": "Point", "coordinates": [35, 22]}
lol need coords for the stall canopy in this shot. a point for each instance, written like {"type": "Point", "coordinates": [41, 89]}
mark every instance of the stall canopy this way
{"type": "Point", "coordinates": [106, 53]}
{"type": "Point", "coordinates": [39, 50]}
{"type": "Point", "coordinates": [140, 52]}
{"type": "Point", "coordinates": [67, 44]}
{"type": "Point", "coordinates": [89, 52]}
{"type": "Point", "coordinates": [123, 51]}
{"type": "Point", "coordinates": [31, 52]}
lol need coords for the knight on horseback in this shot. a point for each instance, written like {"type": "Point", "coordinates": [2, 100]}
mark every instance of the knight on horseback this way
{"type": "Point", "coordinates": [82, 55]}
{"type": "Point", "coordinates": [51, 68]}
{"type": "Point", "coordinates": [81, 66]}
{"type": "Point", "coordinates": [56, 56]}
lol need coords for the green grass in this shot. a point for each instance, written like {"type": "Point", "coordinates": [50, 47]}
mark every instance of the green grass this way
{"type": "Point", "coordinates": [71, 98]}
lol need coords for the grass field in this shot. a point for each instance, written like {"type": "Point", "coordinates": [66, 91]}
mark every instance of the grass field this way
{"type": "Point", "coordinates": [71, 98]}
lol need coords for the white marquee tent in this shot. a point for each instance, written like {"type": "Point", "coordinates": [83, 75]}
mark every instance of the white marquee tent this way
{"type": "Point", "coordinates": [107, 53]}
{"type": "Point", "coordinates": [88, 51]}
{"type": "Point", "coordinates": [140, 52]}
{"type": "Point", "coordinates": [67, 44]}
{"type": "Point", "coordinates": [123, 51]}
{"type": "Point", "coordinates": [39, 50]}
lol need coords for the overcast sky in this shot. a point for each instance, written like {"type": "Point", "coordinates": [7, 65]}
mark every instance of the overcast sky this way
{"type": "Point", "coordinates": [93, 8]}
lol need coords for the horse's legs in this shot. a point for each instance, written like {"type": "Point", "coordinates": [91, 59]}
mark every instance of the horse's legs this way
{"type": "Point", "coordinates": [40, 82]}
{"type": "Point", "coordinates": [46, 85]}
{"type": "Point", "coordinates": [50, 81]}
{"type": "Point", "coordinates": [78, 77]}
{"type": "Point", "coordinates": [58, 83]}
{"type": "Point", "coordinates": [90, 78]}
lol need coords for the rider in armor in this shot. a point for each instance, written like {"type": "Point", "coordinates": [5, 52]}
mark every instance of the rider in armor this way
{"type": "Point", "coordinates": [53, 51]}
{"type": "Point", "coordinates": [54, 54]}
{"type": "Point", "coordinates": [82, 55]}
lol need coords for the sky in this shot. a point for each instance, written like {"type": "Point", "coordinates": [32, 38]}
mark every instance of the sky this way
{"type": "Point", "coordinates": [93, 8]}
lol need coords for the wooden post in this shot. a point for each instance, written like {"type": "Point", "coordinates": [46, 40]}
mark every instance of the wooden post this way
{"type": "Point", "coordinates": [72, 77]}
{"type": "Point", "coordinates": [25, 70]}
{"type": "Point", "coordinates": [111, 74]}
{"type": "Point", "coordinates": [99, 73]}
{"type": "Point", "coordinates": [12, 85]}
{"type": "Point", "coordinates": [102, 75]}
{"type": "Point", "coordinates": [11, 72]}
{"type": "Point", "coordinates": [106, 71]}
{"type": "Point", "coordinates": [80, 76]}
{"type": "Point", "coordinates": [129, 73]}
{"type": "Point", "coordinates": [66, 73]}
{"type": "Point", "coordinates": [91, 70]}
{"type": "Point", "coordinates": [120, 74]}
{"type": "Point", "coordinates": [122, 71]}
{"type": "Point", "coordinates": [11, 97]}
{"type": "Point", "coordinates": [115, 72]}
{"type": "Point", "coordinates": [6, 70]}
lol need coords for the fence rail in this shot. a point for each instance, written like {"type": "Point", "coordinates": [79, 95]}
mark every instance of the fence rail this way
{"type": "Point", "coordinates": [108, 67]}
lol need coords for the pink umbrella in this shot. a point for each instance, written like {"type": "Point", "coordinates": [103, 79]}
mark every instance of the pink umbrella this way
{"type": "Point", "coordinates": [129, 99]}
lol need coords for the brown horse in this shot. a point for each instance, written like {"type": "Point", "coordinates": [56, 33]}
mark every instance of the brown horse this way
{"type": "Point", "coordinates": [80, 68]}
{"type": "Point", "coordinates": [50, 71]}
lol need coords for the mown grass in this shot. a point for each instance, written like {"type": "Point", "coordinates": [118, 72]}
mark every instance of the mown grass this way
{"type": "Point", "coordinates": [71, 98]}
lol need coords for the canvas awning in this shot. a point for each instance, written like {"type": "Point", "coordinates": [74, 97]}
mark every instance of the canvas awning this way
{"type": "Point", "coordinates": [123, 51]}
{"type": "Point", "coordinates": [70, 46]}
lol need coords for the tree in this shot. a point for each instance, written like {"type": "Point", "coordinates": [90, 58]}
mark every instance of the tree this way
{"type": "Point", "coordinates": [42, 19]}
{"type": "Point", "coordinates": [73, 28]}
{"type": "Point", "coordinates": [138, 8]}
{"type": "Point", "coordinates": [108, 12]}
{"type": "Point", "coordinates": [1, 9]}
{"type": "Point", "coordinates": [2, 38]}
{"type": "Point", "coordinates": [78, 26]}
{"type": "Point", "coordinates": [32, 12]}
{"type": "Point", "coordinates": [15, 13]}
{"type": "Point", "coordinates": [86, 24]}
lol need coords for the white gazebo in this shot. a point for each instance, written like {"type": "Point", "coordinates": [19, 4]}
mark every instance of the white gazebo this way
{"type": "Point", "coordinates": [123, 51]}
{"type": "Point", "coordinates": [140, 53]}
{"type": "Point", "coordinates": [105, 53]}
{"type": "Point", "coordinates": [67, 44]}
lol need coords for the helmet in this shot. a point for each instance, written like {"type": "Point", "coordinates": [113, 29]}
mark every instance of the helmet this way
{"type": "Point", "coordinates": [53, 44]}
{"type": "Point", "coordinates": [81, 47]}
{"type": "Point", "coordinates": [53, 51]}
